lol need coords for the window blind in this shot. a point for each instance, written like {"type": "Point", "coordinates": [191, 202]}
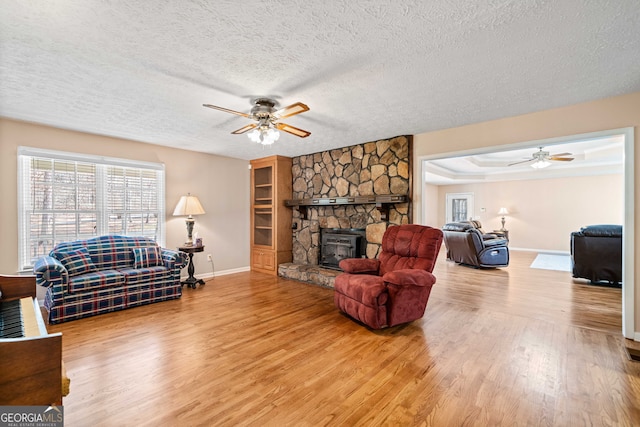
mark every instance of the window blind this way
{"type": "Point", "coordinates": [69, 196]}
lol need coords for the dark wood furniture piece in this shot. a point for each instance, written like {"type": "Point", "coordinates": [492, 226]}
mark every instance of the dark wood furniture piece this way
{"type": "Point", "coordinates": [31, 368]}
{"type": "Point", "coordinates": [191, 281]}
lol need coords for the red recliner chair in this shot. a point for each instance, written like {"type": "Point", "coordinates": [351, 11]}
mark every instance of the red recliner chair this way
{"type": "Point", "coordinates": [394, 288]}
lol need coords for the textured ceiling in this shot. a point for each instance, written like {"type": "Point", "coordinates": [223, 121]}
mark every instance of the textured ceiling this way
{"type": "Point", "coordinates": [367, 69]}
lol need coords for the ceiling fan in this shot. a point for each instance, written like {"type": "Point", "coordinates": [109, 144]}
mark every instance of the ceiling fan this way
{"type": "Point", "coordinates": [541, 159]}
{"type": "Point", "coordinates": [265, 130]}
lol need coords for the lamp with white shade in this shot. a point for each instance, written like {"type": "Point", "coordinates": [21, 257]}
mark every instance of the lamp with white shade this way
{"type": "Point", "coordinates": [189, 205]}
{"type": "Point", "coordinates": [503, 212]}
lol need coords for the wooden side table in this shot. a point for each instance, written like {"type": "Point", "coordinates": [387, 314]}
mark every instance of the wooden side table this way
{"type": "Point", "coordinates": [191, 281]}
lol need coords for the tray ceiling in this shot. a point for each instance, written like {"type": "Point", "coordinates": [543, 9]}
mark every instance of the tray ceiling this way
{"type": "Point", "coordinates": [597, 156]}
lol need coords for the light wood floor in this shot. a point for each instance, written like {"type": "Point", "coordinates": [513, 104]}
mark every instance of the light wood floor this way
{"type": "Point", "coordinates": [513, 346]}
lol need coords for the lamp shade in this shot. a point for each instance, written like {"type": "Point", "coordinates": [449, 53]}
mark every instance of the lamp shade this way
{"type": "Point", "coordinates": [188, 205]}
{"type": "Point", "coordinates": [503, 211]}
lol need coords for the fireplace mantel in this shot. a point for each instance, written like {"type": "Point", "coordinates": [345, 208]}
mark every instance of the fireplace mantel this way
{"type": "Point", "coordinates": [382, 202]}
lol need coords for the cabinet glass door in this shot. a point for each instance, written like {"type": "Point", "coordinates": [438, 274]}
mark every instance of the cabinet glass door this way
{"type": "Point", "coordinates": [262, 226]}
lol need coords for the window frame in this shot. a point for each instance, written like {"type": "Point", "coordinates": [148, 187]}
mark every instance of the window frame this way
{"type": "Point", "coordinates": [450, 198]}
{"type": "Point", "coordinates": [102, 165]}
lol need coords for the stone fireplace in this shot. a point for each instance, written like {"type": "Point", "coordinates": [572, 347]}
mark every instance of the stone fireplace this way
{"type": "Point", "coordinates": [349, 188]}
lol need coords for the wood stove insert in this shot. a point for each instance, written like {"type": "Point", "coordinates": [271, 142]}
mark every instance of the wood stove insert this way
{"type": "Point", "coordinates": [337, 244]}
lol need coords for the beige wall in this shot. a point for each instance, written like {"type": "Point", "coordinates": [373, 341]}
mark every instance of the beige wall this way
{"type": "Point", "coordinates": [610, 113]}
{"type": "Point", "coordinates": [543, 212]}
{"type": "Point", "coordinates": [221, 184]}
{"type": "Point", "coordinates": [431, 210]}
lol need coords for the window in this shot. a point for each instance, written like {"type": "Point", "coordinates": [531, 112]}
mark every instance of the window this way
{"type": "Point", "coordinates": [459, 207]}
{"type": "Point", "coordinates": [67, 196]}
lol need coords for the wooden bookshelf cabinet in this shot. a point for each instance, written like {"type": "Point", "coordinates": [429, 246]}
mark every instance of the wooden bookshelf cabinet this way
{"type": "Point", "coordinates": [271, 238]}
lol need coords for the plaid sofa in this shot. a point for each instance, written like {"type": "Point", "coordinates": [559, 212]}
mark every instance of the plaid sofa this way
{"type": "Point", "coordinates": [107, 273]}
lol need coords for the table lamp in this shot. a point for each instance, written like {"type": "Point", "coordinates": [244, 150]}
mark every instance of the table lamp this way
{"type": "Point", "coordinates": [188, 205]}
{"type": "Point", "coordinates": [503, 212]}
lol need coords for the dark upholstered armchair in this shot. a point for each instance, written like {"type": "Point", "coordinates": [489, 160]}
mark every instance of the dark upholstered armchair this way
{"type": "Point", "coordinates": [596, 253]}
{"type": "Point", "coordinates": [478, 226]}
{"type": "Point", "coordinates": [466, 245]}
{"type": "Point", "coordinates": [394, 288]}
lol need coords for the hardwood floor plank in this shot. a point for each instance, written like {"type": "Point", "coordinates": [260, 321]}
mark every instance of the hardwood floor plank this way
{"type": "Point", "coordinates": [512, 346]}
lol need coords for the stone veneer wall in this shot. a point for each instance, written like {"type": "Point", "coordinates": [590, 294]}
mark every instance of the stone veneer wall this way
{"type": "Point", "coordinates": [373, 168]}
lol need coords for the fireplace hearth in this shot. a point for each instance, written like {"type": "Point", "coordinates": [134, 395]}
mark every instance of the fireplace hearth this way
{"type": "Point", "coordinates": [341, 243]}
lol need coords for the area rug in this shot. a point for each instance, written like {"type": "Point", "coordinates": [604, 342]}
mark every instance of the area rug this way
{"type": "Point", "coordinates": [552, 262]}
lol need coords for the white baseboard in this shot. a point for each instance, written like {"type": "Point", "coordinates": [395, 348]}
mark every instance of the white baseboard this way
{"type": "Point", "coordinates": [541, 251]}
{"type": "Point", "coordinates": [218, 273]}
{"type": "Point", "coordinates": [636, 336]}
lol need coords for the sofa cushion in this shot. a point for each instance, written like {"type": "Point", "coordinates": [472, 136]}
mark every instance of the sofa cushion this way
{"type": "Point", "coordinates": [96, 280]}
{"type": "Point", "coordinates": [457, 226]}
{"type": "Point", "coordinates": [114, 252]}
{"type": "Point", "coordinates": [147, 257]}
{"type": "Point", "coordinates": [410, 246]}
{"type": "Point", "coordinates": [602, 230]}
{"type": "Point", "coordinates": [76, 261]}
{"type": "Point", "coordinates": [152, 275]}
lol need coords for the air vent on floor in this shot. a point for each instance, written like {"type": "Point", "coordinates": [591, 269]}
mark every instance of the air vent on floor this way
{"type": "Point", "coordinates": [633, 354]}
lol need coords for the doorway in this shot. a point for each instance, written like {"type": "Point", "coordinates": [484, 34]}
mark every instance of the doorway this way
{"type": "Point", "coordinates": [628, 287]}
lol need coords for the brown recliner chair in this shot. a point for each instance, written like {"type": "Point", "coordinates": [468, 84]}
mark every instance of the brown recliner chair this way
{"type": "Point", "coordinates": [466, 245]}
{"type": "Point", "coordinates": [394, 288]}
{"type": "Point", "coordinates": [478, 226]}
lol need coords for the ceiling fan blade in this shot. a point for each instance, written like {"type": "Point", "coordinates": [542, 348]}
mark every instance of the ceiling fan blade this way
{"type": "Point", "coordinates": [291, 110]}
{"type": "Point", "coordinates": [561, 154]}
{"type": "Point", "coordinates": [226, 110]}
{"type": "Point", "coordinates": [244, 129]}
{"type": "Point", "coordinates": [292, 130]}
{"type": "Point", "coordinates": [524, 161]}
{"type": "Point", "coordinates": [560, 159]}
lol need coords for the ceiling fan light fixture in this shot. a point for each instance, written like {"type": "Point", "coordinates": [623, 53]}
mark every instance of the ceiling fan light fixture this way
{"type": "Point", "coordinates": [540, 164]}
{"type": "Point", "coordinates": [264, 135]}
{"type": "Point", "coordinates": [266, 130]}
